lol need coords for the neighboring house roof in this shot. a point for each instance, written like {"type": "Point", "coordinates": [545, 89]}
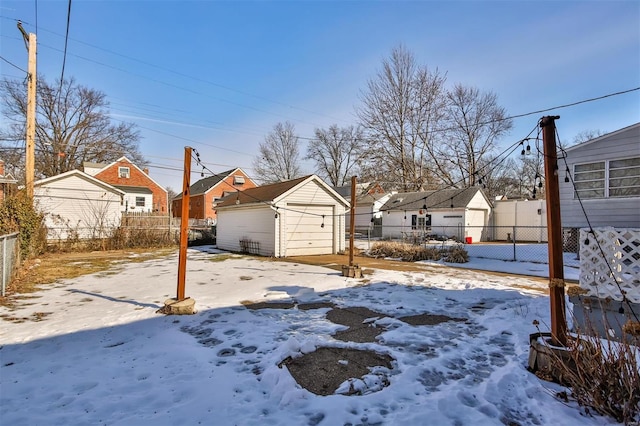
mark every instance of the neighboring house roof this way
{"type": "Point", "coordinates": [81, 175]}
{"type": "Point", "coordinates": [123, 158]}
{"type": "Point", "coordinates": [438, 199]}
{"type": "Point", "coordinates": [8, 178]}
{"type": "Point", "coordinates": [361, 189]}
{"type": "Point", "coordinates": [204, 185]}
{"type": "Point", "coordinates": [94, 165]}
{"type": "Point", "coordinates": [599, 138]}
{"type": "Point", "coordinates": [134, 189]}
{"type": "Point", "coordinates": [269, 194]}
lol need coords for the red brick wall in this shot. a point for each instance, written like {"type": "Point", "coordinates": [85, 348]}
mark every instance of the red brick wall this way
{"type": "Point", "coordinates": [202, 204]}
{"type": "Point", "coordinates": [136, 178]}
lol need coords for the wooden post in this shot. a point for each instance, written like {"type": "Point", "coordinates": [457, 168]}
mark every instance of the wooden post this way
{"type": "Point", "coordinates": [353, 219]}
{"type": "Point", "coordinates": [31, 117]}
{"type": "Point", "coordinates": [554, 230]}
{"type": "Point", "coordinates": [184, 224]}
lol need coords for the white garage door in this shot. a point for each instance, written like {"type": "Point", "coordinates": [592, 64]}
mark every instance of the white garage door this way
{"type": "Point", "coordinates": [306, 234]}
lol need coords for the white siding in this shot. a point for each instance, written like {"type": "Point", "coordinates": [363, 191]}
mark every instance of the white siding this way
{"type": "Point", "coordinates": [76, 207]}
{"type": "Point", "coordinates": [255, 224]}
{"type": "Point", "coordinates": [616, 212]}
{"type": "Point", "coordinates": [309, 230]}
{"type": "Point", "coordinates": [510, 213]}
{"type": "Point", "coordinates": [129, 203]}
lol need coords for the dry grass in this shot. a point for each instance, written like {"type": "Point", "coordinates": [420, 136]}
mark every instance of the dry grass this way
{"type": "Point", "coordinates": [413, 253]}
{"type": "Point", "coordinates": [52, 267]}
{"type": "Point", "coordinates": [602, 375]}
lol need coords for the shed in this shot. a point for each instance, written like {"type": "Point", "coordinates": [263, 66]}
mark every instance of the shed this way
{"type": "Point", "coordinates": [77, 205]}
{"type": "Point", "coordinates": [459, 213]}
{"type": "Point", "coordinates": [302, 216]}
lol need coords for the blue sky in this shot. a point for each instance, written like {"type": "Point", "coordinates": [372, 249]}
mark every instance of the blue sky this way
{"type": "Point", "coordinates": [218, 75]}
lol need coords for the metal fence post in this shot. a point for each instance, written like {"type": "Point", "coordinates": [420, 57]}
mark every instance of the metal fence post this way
{"type": "Point", "coordinates": [514, 244]}
{"type": "Point", "coordinates": [4, 265]}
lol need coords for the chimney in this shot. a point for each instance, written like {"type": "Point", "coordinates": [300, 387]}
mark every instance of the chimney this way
{"type": "Point", "coordinates": [146, 171]}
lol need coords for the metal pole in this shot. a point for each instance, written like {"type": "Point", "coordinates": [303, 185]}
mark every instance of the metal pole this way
{"type": "Point", "coordinates": [514, 244]}
{"type": "Point", "coordinates": [554, 230]}
{"type": "Point", "coordinates": [4, 265]}
{"type": "Point", "coordinates": [353, 219]}
{"type": "Point", "coordinates": [184, 224]}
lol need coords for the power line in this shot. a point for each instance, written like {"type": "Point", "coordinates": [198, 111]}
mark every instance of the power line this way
{"type": "Point", "coordinates": [12, 64]}
{"type": "Point", "coordinates": [66, 40]}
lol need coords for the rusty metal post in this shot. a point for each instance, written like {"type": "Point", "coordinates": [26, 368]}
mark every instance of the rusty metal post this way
{"type": "Point", "coordinates": [184, 224]}
{"type": "Point", "coordinates": [353, 219]}
{"type": "Point", "coordinates": [554, 229]}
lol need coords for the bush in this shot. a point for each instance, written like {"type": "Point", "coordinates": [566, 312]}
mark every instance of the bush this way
{"type": "Point", "coordinates": [413, 253]}
{"type": "Point", "coordinates": [17, 214]}
{"type": "Point", "coordinates": [602, 375]}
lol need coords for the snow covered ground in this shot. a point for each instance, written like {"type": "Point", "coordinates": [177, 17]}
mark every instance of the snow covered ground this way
{"type": "Point", "coordinates": [93, 350]}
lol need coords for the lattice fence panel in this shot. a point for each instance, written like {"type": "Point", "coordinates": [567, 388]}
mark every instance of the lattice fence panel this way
{"type": "Point", "coordinates": [619, 268]}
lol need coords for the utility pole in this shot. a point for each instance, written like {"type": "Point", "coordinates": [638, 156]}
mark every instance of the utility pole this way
{"type": "Point", "coordinates": [554, 229]}
{"type": "Point", "coordinates": [181, 305]}
{"type": "Point", "coordinates": [353, 219]}
{"type": "Point", "coordinates": [30, 42]}
{"type": "Point", "coordinates": [184, 224]}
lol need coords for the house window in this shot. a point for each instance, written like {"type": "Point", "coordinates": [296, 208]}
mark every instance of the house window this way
{"type": "Point", "coordinates": [589, 180]}
{"type": "Point", "coordinates": [238, 180]}
{"type": "Point", "coordinates": [139, 201]}
{"type": "Point", "coordinates": [123, 172]}
{"type": "Point", "coordinates": [624, 177]}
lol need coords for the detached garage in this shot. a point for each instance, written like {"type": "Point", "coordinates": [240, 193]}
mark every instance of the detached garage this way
{"type": "Point", "coordinates": [294, 218]}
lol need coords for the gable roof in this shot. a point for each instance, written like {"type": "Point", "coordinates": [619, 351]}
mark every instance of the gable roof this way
{"type": "Point", "coordinates": [599, 138]}
{"type": "Point", "coordinates": [81, 175]}
{"type": "Point", "coordinates": [123, 158]}
{"type": "Point", "coordinates": [269, 194]}
{"type": "Point", "coordinates": [362, 188]}
{"type": "Point", "coordinates": [438, 199]}
{"type": "Point", "coordinates": [204, 185]}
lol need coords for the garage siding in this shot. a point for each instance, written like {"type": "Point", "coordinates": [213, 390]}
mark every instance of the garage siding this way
{"type": "Point", "coordinates": [305, 233]}
{"type": "Point", "coordinates": [255, 224]}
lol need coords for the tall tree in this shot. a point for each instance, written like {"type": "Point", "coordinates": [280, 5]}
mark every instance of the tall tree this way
{"type": "Point", "coordinates": [475, 122]}
{"type": "Point", "coordinates": [336, 152]}
{"type": "Point", "coordinates": [73, 125]}
{"type": "Point", "coordinates": [401, 107]}
{"type": "Point", "coordinates": [279, 155]}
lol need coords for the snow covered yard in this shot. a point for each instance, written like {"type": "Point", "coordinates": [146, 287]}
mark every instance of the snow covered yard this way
{"type": "Point", "coordinates": [93, 350]}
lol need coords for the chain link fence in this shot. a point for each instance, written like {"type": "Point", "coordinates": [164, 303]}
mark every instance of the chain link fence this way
{"type": "Point", "coordinates": [10, 256]}
{"type": "Point", "coordinates": [508, 243]}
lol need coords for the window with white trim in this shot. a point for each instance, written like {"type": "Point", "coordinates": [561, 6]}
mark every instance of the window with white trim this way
{"type": "Point", "coordinates": [139, 201]}
{"type": "Point", "coordinates": [624, 177]}
{"type": "Point", "coordinates": [607, 179]}
{"type": "Point", "coordinates": [123, 172]}
{"type": "Point", "coordinates": [238, 180]}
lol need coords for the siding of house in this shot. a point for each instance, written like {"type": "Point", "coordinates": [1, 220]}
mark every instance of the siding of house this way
{"type": "Point", "coordinates": [136, 177]}
{"type": "Point", "coordinates": [616, 212]}
{"type": "Point", "coordinates": [520, 213]}
{"type": "Point", "coordinates": [252, 223]}
{"type": "Point", "coordinates": [74, 205]}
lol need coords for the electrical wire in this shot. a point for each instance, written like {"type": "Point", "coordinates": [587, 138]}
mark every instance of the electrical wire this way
{"type": "Point", "coordinates": [66, 40]}
{"type": "Point", "coordinates": [12, 64]}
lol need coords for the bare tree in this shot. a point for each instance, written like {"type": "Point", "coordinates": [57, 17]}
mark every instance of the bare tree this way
{"type": "Point", "coordinates": [72, 126]}
{"type": "Point", "coordinates": [279, 155]}
{"type": "Point", "coordinates": [401, 107]}
{"type": "Point", "coordinates": [475, 123]}
{"type": "Point", "coordinates": [586, 135]}
{"type": "Point", "coordinates": [335, 152]}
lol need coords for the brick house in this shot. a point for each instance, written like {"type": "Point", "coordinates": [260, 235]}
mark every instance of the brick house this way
{"type": "Point", "coordinates": [6, 182]}
{"type": "Point", "coordinates": [204, 193]}
{"type": "Point", "coordinates": [142, 193]}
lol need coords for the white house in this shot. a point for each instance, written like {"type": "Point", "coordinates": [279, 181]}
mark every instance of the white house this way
{"type": "Point", "coordinates": [603, 173]}
{"type": "Point", "coordinates": [77, 205]}
{"type": "Point", "coordinates": [298, 217]}
{"type": "Point", "coordinates": [460, 213]}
